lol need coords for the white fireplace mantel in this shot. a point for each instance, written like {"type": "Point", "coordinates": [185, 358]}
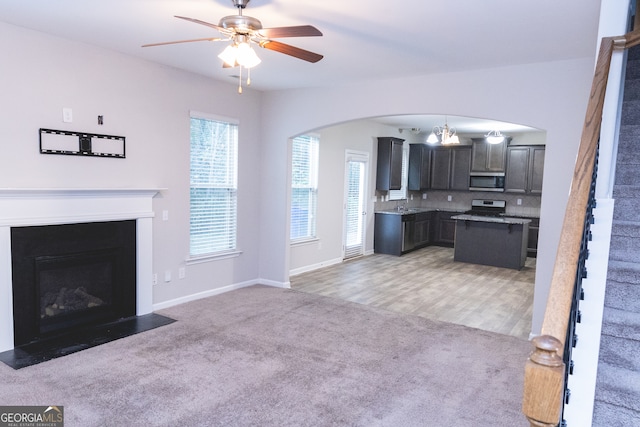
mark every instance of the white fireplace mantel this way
{"type": "Point", "coordinates": [24, 207]}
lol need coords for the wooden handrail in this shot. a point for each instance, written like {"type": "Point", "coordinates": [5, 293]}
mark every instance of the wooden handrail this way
{"type": "Point", "coordinates": [545, 370]}
{"type": "Point", "coordinates": [556, 316]}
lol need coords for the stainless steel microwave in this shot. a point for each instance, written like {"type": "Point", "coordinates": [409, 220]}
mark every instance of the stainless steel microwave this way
{"type": "Point", "coordinates": [487, 181]}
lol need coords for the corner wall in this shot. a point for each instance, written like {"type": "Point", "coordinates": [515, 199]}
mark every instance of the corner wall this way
{"type": "Point", "coordinates": [547, 96]}
{"type": "Point", "coordinates": [147, 103]}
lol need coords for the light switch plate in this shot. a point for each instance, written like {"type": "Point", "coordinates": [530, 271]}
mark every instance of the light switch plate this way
{"type": "Point", "coordinates": [67, 115]}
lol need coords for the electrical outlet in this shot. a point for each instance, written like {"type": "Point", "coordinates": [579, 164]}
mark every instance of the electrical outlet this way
{"type": "Point", "coordinates": [449, 198]}
{"type": "Point", "coordinates": [424, 196]}
{"type": "Point", "coordinates": [155, 278]}
{"type": "Point", "coordinates": [165, 215]}
{"type": "Point", "coordinates": [181, 273]}
{"type": "Point", "coordinates": [519, 202]}
{"type": "Point", "coordinates": [167, 276]}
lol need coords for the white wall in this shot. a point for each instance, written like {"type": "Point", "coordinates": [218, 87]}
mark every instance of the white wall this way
{"type": "Point", "coordinates": [334, 141]}
{"type": "Point", "coordinates": [548, 96]}
{"type": "Point", "coordinates": [149, 105]}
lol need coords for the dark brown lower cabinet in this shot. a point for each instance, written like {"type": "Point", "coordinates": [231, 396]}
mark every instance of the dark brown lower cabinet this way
{"type": "Point", "coordinates": [396, 234]}
{"type": "Point", "coordinates": [422, 229]}
{"type": "Point", "coordinates": [445, 232]}
{"type": "Point", "coordinates": [532, 242]}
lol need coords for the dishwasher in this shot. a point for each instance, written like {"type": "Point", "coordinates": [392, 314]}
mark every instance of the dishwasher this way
{"type": "Point", "coordinates": [408, 231]}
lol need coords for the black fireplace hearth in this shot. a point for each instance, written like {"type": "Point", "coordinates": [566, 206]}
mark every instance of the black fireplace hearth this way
{"type": "Point", "coordinates": [71, 276]}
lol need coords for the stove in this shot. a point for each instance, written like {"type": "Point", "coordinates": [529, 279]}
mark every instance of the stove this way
{"type": "Point", "coordinates": [487, 207]}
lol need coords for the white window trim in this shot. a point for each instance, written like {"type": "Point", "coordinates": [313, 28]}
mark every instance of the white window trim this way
{"type": "Point", "coordinates": [190, 260]}
{"type": "Point", "coordinates": [198, 259]}
{"type": "Point", "coordinates": [306, 239]}
{"type": "Point", "coordinates": [208, 116]}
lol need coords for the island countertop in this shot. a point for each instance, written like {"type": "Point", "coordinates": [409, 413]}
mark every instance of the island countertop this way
{"type": "Point", "coordinates": [496, 219]}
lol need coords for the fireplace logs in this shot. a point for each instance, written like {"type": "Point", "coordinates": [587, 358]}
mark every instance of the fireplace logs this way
{"type": "Point", "coordinates": [67, 300]}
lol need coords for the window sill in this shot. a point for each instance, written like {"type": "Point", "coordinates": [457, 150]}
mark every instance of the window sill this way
{"type": "Point", "coordinates": [302, 242]}
{"type": "Point", "coordinates": [212, 257]}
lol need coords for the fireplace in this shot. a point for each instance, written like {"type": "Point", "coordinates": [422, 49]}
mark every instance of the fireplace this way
{"type": "Point", "coordinates": [44, 208]}
{"type": "Point", "coordinates": [71, 276]}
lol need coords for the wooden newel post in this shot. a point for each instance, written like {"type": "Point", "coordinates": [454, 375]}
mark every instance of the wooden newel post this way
{"type": "Point", "coordinates": [544, 383]}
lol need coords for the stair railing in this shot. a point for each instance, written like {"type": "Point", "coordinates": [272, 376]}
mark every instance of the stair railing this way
{"type": "Point", "coordinates": [549, 364]}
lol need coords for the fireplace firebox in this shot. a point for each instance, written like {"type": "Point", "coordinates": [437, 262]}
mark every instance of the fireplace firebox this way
{"type": "Point", "coordinates": [71, 276]}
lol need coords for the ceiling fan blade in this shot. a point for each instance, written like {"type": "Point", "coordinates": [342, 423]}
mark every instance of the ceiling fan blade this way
{"type": "Point", "coordinates": [291, 51]}
{"type": "Point", "coordinates": [209, 39]}
{"type": "Point", "coordinates": [197, 21]}
{"type": "Point", "coordinates": [296, 31]}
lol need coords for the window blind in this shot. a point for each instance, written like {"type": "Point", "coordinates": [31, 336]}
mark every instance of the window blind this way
{"type": "Point", "coordinates": [213, 186]}
{"type": "Point", "coordinates": [355, 208]}
{"type": "Point", "coordinates": [304, 187]}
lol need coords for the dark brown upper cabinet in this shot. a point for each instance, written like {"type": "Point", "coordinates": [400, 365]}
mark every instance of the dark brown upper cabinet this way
{"type": "Point", "coordinates": [389, 165]}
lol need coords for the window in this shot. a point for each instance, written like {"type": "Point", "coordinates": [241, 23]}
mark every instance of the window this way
{"type": "Point", "coordinates": [213, 185]}
{"type": "Point", "coordinates": [304, 187]}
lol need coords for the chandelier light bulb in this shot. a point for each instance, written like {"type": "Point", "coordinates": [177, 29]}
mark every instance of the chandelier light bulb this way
{"type": "Point", "coordinates": [246, 56]}
{"type": "Point", "coordinates": [494, 137]}
{"type": "Point", "coordinates": [229, 55]}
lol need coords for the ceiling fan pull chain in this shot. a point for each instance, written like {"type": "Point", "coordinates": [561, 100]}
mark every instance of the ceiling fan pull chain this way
{"type": "Point", "coordinates": [248, 76]}
{"type": "Point", "coordinates": [240, 79]}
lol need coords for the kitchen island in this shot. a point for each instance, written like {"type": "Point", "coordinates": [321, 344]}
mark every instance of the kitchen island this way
{"type": "Point", "coordinates": [495, 241]}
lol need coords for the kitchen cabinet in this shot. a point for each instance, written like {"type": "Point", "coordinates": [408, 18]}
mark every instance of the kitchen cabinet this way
{"type": "Point", "coordinates": [393, 233]}
{"type": "Point", "coordinates": [419, 167]}
{"type": "Point", "coordinates": [487, 157]}
{"type": "Point", "coordinates": [445, 229]}
{"type": "Point", "coordinates": [525, 167]}
{"type": "Point", "coordinates": [532, 243]}
{"type": "Point", "coordinates": [460, 164]}
{"type": "Point", "coordinates": [490, 241]}
{"type": "Point", "coordinates": [422, 229]}
{"type": "Point", "coordinates": [389, 165]}
{"type": "Point", "coordinates": [397, 233]}
{"type": "Point", "coordinates": [450, 168]}
{"type": "Point", "coordinates": [440, 168]}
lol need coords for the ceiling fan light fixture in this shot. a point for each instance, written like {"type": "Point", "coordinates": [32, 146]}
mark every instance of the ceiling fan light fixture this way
{"type": "Point", "coordinates": [228, 55]}
{"type": "Point", "coordinates": [240, 54]}
{"type": "Point", "coordinates": [246, 56]}
{"type": "Point", "coordinates": [494, 137]}
{"type": "Point", "coordinates": [242, 30]}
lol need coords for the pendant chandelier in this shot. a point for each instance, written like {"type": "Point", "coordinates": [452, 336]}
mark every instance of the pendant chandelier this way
{"type": "Point", "coordinates": [443, 135]}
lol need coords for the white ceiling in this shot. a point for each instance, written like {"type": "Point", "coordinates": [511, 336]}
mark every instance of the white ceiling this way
{"type": "Point", "coordinates": [362, 39]}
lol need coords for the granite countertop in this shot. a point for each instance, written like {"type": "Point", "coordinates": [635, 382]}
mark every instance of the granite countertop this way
{"type": "Point", "coordinates": [415, 210]}
{"type": "Point", "coordinates": [500, 219]}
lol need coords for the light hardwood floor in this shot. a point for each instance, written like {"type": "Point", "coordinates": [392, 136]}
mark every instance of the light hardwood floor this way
{"type": "Point", "coordinates": [428, 283]}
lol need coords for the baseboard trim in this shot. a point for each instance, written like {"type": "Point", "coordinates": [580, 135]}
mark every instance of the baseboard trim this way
{"type": "Point", "coordinates": [205, 294]}
{"type": "Point", "coordinates": [312, 267]}
{"type": "Point", "coordinates": [218, 291]}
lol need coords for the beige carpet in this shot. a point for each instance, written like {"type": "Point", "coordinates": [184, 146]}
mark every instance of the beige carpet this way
{"type": "Point", "coordinates": [263, 356]}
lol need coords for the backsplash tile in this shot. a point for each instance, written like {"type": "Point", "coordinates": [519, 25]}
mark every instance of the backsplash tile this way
{"type": "Point", "coordinates": [461, 201]}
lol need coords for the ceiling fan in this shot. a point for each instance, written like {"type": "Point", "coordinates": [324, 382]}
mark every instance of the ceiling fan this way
{"type": "Point", "coordinates": [242, 31]}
